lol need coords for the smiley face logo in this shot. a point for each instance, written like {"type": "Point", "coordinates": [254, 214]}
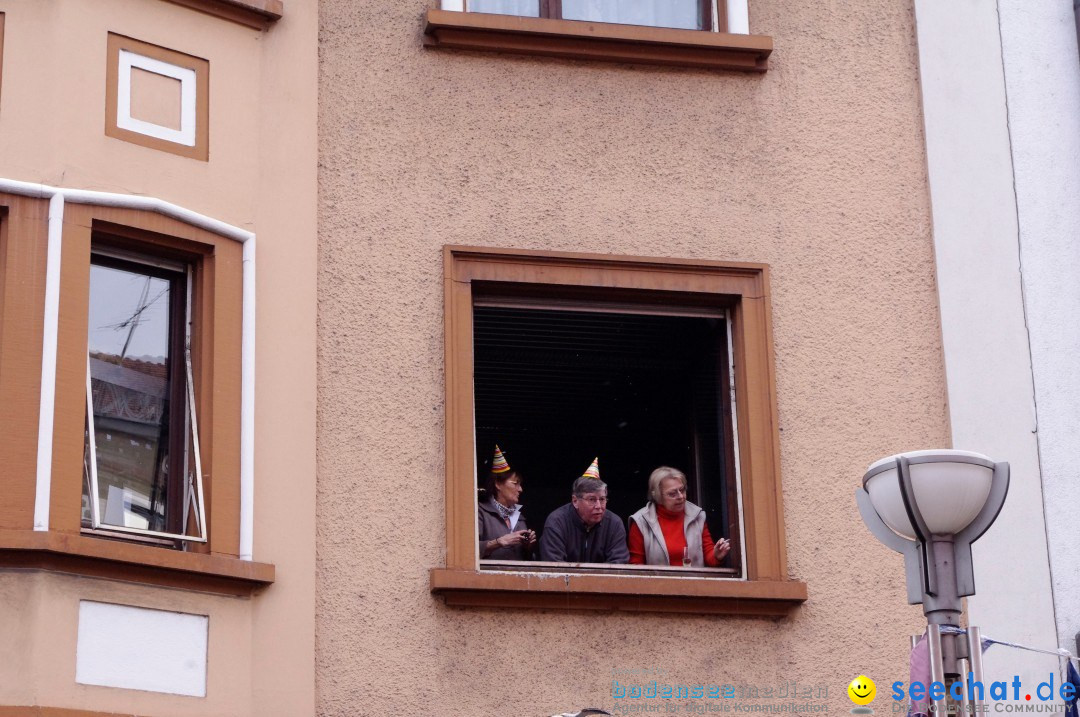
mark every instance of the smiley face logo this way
{"type": "Point", "coordinates": [862, 690]}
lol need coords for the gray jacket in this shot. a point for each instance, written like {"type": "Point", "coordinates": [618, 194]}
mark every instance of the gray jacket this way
{"type": "Point", "coordinates": [490, 525]}
{"type": "Point", "coordinates": [566, 538]}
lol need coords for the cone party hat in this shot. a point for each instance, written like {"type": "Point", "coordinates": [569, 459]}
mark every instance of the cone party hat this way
{"type": "Point", "coordinates": [498, 462]}
{"type": "Point", "coordinates": [593, 471]}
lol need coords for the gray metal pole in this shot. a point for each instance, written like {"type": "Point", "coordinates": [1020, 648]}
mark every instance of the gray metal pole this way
{"type": "Point", "coordinates": [974, 639]}
{"type": "Point", "coordinates": [937, 669]}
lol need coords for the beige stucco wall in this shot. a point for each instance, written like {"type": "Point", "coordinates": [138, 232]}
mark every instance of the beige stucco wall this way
{"type": "Point", "coordinates": [261, 177]}
{"type": "Point", "coordinates": [816, 168]}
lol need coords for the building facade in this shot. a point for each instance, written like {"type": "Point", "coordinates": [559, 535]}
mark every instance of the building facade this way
{"type": "Point", "coordinates": [375, 239]}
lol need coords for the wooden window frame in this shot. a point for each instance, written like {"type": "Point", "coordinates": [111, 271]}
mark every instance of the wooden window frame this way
{"type": "Point", "coordinates": [767, 590]}
{"type": "Point", "coordinates": [217, 296]}
{"type": "Point", "coordinates": [602, 41]}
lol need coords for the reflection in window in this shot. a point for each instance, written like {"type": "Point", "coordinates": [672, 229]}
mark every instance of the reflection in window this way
{"type": "Point", "coordinates": [658, 13]}
{"type": "Point", "coordinates": [138, 396]}
{"type": "Point", "coordinates": [686, 14]}
{"type": "Point", "coordinates": [524, 8]}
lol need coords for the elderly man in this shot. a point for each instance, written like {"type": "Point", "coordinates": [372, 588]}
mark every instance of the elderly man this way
{"type": "Point", "coordinates": [583, 531]}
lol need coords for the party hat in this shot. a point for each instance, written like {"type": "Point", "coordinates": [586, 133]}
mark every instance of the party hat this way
{"type": "Point", "coordinates": [593, 471]}
{"type": "Point", "coordinates": [498, 462]}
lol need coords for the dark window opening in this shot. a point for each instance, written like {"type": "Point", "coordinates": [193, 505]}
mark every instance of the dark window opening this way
{"type": "Point", "coordinates": [556, 387]}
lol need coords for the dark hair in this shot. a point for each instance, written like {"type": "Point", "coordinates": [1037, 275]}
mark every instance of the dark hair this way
{"type": "Point", "coordinates": [493, 478]}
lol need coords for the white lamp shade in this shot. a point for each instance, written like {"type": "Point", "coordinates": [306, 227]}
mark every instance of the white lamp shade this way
{"type": "Point", "coordinates": [950, 489]}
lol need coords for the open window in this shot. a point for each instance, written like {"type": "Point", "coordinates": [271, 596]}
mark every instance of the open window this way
{"type": "Point", "coordinates": [126, 368]}
{"type": "Point", "coordinates": [142, 467]}
{"type": "Point", "coordinates": [642, 385]}
{"type": "Point", "coordinates": [561, 357]}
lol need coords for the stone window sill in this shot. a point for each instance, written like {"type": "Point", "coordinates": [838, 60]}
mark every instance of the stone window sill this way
{"type": "Point", "coordinates": [257, 14]}
{"type": "Point", "coordinates": [95, 557]}
{"type": "Point", "coordinates": [584, 591]}
{"type": "Point", "coordinates": [596, 41]}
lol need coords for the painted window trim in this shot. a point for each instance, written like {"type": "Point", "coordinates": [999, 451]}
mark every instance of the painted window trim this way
{"type": "Point", "coordinates": [129, 61]}
{"type": "Point", "coordinates": [58, 197]}
{"type": "Point", "coordinates": [736, 12]}
{"type": "Point", "coordinates": [766, 589]}
{"type": "Point", "coordinates": [192, 140]}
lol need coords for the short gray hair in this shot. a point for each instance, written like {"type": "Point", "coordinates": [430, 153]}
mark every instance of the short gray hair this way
{"type": "Point", "coordinates": [584, 485]}
{"type": "Point", "coordinates": [658, 476]}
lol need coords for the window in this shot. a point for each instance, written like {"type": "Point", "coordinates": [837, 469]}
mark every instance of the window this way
{"type": "Point", "coordinates": [126, 362]}
{"type": "Point", "coordinates": [663, 342]}
{"type": "Point", "coordinates": [639, 386]}
{"type": "Point", "coordinates": [686, 14]}
{"type": "Point", "coordinates": [655, 32]}
{"type": "Point", "coordinates": [142, 469]}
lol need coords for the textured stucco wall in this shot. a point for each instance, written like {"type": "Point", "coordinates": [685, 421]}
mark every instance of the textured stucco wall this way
{"type": "Point", "coordinates": [1042, 78]}
{"type": "Point", "coordinates": [816, 167]}
{"type": "Point", "coordinates": [985, 339]}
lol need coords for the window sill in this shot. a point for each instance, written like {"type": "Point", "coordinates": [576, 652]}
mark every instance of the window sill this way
{"type": "Point", "coordinates": [596, 41]}
{"type": "Point", "coordinates": [584, 591]}
{"type": "Point", "coordinates": [257, 14]}
{"type": "Point", "coordinates": [95, 557]}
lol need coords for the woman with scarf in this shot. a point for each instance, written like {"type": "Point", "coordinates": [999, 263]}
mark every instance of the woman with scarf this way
{"type": "Point", "coordinates": [500, 525]}
{"type": "Point", "coordinates": [670, 530]}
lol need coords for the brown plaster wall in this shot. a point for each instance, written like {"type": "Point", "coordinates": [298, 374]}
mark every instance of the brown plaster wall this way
{"type": "Point", "coordinates": [816, 167]}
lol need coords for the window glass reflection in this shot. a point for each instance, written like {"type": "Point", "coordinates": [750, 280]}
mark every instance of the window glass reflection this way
{"type": "Point", "coordinates": [684, 14]}
{"type": "Point", "coordinates": [526, 8]}
{"type": "Point", "coordinates": [130, 326]}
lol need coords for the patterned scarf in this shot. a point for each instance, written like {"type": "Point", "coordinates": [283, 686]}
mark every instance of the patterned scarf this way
{"type": "Point", "coordinates": [504, 512]}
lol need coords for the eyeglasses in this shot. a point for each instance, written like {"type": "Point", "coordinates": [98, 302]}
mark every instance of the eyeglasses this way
{"type": "Point", "coordinates": [593, 500]}
{"type": "Point", "coordinates": [675, 493]}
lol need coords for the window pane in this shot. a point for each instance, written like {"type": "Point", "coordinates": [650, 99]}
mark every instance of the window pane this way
{"type": "Point", "coordinates": [130, 366]}
{"type": "Point", "coordinates": [658, 13]}
{"type": "Point", "coordinates": [555, 388]}
{"type": "Point", "coordinates": [527, 8]}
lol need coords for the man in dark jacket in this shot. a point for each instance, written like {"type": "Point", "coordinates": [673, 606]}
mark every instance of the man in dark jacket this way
{"type": "Point", "coordinates": [583, 531]}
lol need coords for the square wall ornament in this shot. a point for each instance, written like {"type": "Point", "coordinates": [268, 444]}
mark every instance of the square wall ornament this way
{"type": "Point", "coordinates": [157, 97]}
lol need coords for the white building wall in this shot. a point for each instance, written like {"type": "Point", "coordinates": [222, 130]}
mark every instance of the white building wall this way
{"type": "Point", "coordinates": [1042, 80]}
{"type": "Point", "coordinates": [987, 360]}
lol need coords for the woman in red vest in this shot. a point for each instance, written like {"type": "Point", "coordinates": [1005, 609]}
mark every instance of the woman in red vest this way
{"type": "Point", "coordinates": [670, 530]}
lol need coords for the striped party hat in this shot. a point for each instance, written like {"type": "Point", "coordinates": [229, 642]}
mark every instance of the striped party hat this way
{"type": "Point", "coordinates": [593, 471]}
{"type": "Point", "coordinates": [498, 462]}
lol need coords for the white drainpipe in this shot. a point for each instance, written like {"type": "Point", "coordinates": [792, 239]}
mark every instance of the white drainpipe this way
{"type": "Point", "coordinates": [57, 197]}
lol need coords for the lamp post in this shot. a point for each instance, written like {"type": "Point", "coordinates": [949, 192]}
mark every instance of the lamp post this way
{"type": "Point", "coordinates": [930, 506]}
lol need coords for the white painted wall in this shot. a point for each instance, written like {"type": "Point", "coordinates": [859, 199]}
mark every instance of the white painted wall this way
{"type": "Point", "coordinates": [1042, 79]}
{"type": "Point", "coordinates": [140, 649]}
{"type": "Point", "coordinates": [987, 361]}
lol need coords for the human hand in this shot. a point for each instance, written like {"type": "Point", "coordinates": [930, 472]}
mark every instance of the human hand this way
{"type": "Point", "coordinates": [511, 539]}
{"type": "Point", "coordinates": [721, 548]}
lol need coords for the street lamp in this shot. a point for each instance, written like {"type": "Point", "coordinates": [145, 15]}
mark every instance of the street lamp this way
{"type": "Point", "coordinates": [930, 506]}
